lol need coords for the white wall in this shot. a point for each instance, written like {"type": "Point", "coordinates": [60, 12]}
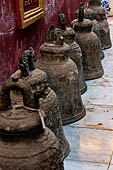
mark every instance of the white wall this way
{"type": "Point", "coordinates": [111, 6]}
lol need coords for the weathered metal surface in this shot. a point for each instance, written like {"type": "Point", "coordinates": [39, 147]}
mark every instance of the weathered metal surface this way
{"type": "Point", "coordinates": [104, 31]}
{"type": "Point", "coordinates": [88, 42]}
{"type": "Point", "coordinates": [49, 104]}
{"type": "Point", "coordinates": [63, 76]}
{"type": "Point", "coordinates": [75, 52]}
{"type": "Point", "coordinates": [89, 14]}
{"type": "Point", "coordinates": [37, 79]}
{"type": "Point", "coordinates": [96, 30]}
{"type": "Point", "coordinates": [30, 145]}
{"type": "Point", "coordinates": [98, 12]}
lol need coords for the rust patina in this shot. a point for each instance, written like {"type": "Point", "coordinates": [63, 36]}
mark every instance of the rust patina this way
{"type": "Point", "coordinates": [37, 79]}
{"type": "Point", "coordinates": [75, 52]}
{"type": "Point", "coordinates": [90, 14]}
{"type": "Point", "coordinates": [88, 42]}
{"type": "Point", "coordinates": [94, 8]}
{"type": "Point", "coordinates": [25, 142]}
{"type": "Point", "coordinates": [62, 74]}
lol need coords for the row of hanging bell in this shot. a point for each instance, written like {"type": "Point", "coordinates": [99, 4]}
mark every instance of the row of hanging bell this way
{"type": "Point", "coordinates": [37, 79]}
{"type": "Point", "coordinates": [89, 45]}
{"type": "Point", "coordinates": [89, 14]}
{"type": "Point", "coordinates": [25, 141]}
{"type": "Point", "coordinates": [98, 12]}
{"type": "Point", "coordinates": [62, 74]}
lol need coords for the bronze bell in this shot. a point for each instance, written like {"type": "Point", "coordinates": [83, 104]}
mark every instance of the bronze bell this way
{"type": "Point", "coordinates": [89, 14]}
{"type": "Point", "coordinates": [75, 52]}
{"type": "Point", "coordinates": [96, 30]}
{"type": "Point", "coordinates": [25, 142]}
{"type": "Point", "coordinates": [104, 31]}
{"type": "Point", "coordinates": [88, 42]}
{"type": "Point", "coordinates": [95, 8]}
{"type": "Point", "coordinates": [49, 104]}
{"type": "Point", "coordinates": [63, 76]}
{"type": "Point", "coordinates": [37, 80]}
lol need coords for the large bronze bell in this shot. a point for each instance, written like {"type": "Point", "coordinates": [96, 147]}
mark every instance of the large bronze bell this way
{"type": "Point", "coordinates": [49, 104]}
{"type": "Point", "coordinates": [75, 52]}
{"type": "Point", "coordinates": [89, 14]}
{"type": "Point", "coordinates": [25, 142]}
{"type": "Point", "coordinates": [63, 75]}
{"type": "Point", "coordinates": [37, 79]}
{"type": "Point", "coordinates": [104, 31]}
{"type": "Point", "coordinates": [88, 42]}
{"type": "Point", "coordinates": [95, 8]}
{"type": "Point", "coordinates": [96, 30]}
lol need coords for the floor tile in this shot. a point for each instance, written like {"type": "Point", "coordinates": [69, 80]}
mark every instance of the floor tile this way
{"type": "Point", "coordinates": [111, 167]}
{"type": "Point", "coordinates": [89, 144]}
{"type": "Point", "coordinates": [106, 81]}
{"type": "Point", "coordinates": [112, 159]}
{"type": "Point", "coordinates": [99, 96]}
{"type": "Point", "coordinates": [76, 165]}
{"type": "Point", "coordinates": [98, 116]}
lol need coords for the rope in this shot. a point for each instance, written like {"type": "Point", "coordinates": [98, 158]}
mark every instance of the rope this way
{"type": "Point", "coordinates": [34, 110]}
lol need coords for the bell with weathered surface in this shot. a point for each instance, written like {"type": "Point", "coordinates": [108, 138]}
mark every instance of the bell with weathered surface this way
{"type": "Point", "coordinates": [49, 104]}
{"type": "Point", "coordinates": [75, 52]}
{"type": "Point", "coordinates": [88, 42]}
{"type": "Point", "coordinates": [37, 79]}
{"type": "Point", "coordinates": [104, 31]}
{"type": "Point", "coordinates": [63, 76]}
{"type": "Point", "coordinates": [96, 30]}
{"type": "Point", "coordinates": [95, 8]}
{"type": "Point", "coordinates": [25, 142]}
{"type": "Point", "coordinates": [89, 14]}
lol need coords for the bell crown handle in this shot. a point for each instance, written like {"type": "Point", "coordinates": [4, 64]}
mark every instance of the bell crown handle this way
{"type": "Point", "coordinates": [50, 34]}
{"type": "Point", "coordinates": [94, 3]}
{"type": "Point", "coordinates": [23, 87]}
{"type": "Point", "coordinates": [81, 12]}
{"type": "Point", "coordinates": [26, 62]}
{"type": "Point", "coordinates": [62, 21]}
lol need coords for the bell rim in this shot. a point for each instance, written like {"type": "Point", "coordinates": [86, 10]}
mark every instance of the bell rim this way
{"type": "Point", "coordinates": [74, 118]}
{"type": "Point", "coordinates": [96, 75]}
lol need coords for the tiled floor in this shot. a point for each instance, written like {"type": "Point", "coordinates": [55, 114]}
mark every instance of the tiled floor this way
{"type": "Point", "coordinates": [91, 139]}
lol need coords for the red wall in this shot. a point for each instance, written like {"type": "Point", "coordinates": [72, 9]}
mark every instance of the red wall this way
{"type": "Point", "coordinates": [13, 41]}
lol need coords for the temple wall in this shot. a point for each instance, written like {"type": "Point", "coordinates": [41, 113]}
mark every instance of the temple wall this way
{"type": "Point", "coordinates": [14, 41]}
